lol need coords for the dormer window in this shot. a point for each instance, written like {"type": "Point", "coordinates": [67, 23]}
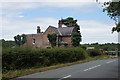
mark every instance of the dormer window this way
{"type": "Point", "coordinates": [33, 40]}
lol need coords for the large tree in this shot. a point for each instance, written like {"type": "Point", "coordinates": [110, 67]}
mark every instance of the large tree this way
{"type": "Point", "coordinates": [113, 11]}
{"type": "Point", "coordinates": [70, 22]}
{"type": "Point", "coordinates": [76, 36]}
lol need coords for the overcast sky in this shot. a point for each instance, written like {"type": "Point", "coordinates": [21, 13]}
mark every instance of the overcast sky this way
{"type": "Point", "coordinates": [18, 17]}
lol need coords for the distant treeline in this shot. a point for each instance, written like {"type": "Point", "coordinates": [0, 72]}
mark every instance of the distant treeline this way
{"type": "Point", "coordinates": [6, 44]}
{"type": "Point", "coordinates": [106, 46]}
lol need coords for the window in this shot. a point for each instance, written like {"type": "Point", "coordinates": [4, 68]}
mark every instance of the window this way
{"type": "Point", "coordinates": [33, 41]}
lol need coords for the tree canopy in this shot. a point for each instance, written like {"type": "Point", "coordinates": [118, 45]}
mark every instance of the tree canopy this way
{"type": "Point", "coordinates": [76, 36]}
{"type": "Point", "coordinates": [113, 11]}
{"type": "Point", "coordinates": [70, 22]}
{"type": "Point", "coordinates": [20, 39]}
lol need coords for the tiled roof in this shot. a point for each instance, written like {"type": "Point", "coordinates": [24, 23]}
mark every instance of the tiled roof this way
{"type": "Point", "coordinates": [66, 30]}
{"type": "Point", "coordinates": [63, 30]}
{"type": "Point", "coordinates": [60, 31]}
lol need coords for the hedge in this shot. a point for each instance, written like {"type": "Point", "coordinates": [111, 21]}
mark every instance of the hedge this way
{"type": "Point", "coordinates": [22, 58]}
{"type": "Point", "coordinates": [93, 52]}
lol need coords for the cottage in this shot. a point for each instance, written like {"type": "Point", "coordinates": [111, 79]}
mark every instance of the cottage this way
{"type": "Point", "coordinates": [40, 40]}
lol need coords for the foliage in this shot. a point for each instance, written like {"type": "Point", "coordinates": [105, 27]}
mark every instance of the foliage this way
{"type": "Point", "coordinates": [113, 11]}
{"type": "Point", "coordinates": [117, 28]}
{"type": "Point", "coordinates": [106, 46]}
{"type": "Point", "coordinates": [20, 39]}
{"type": "Point", "coordinates": [83, 47]}
{"type": "Point", "coordinates": [76, 36]}
{"type": "Point", "coordinates": [71, 21]}
{"type": "Point", "coordinates": [12, 74]}
{"type": "Point", "coordinates": [23, 36]}
{"type": "Point", "coordinates": [7, 43]}
{"type": "Point", "coordinates": [52, 39]}
{"type": "Point", "coordinates": [24, 58]}
{"type": "Point", "coordinates": [93, 52]}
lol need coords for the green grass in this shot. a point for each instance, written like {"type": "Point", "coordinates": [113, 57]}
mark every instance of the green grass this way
{"type": "Point", "coordinates": [22, 72]}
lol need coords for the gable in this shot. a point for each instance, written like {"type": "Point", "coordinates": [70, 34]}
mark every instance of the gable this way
{"type": "Point", "coordinates": [51, 30]}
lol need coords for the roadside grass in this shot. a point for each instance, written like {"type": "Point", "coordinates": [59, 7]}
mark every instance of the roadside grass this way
{"type": "Point", "coordinates": [22, 72]}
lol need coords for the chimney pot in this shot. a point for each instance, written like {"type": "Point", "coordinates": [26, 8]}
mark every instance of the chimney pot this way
{"type": "Point", "coordinates": [38, 29]}
{"type": "Point", "coordinates": [60, 24]}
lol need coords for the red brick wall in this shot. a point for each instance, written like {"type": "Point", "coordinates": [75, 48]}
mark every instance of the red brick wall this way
{"type": "Point", "coordinates": [41, 40]}
{"type": "Point", "coordinates": [67, 39]}
{"type": "Point", "coordinates": [38, 41]}
{"type": "Point", "coordinates": [45, 39]}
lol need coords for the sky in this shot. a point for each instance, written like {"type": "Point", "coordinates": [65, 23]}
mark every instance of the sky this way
{"type": "Point", "coordinates": [18, 17]}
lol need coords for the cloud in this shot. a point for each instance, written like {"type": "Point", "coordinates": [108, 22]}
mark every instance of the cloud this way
{"type": "Point", "coordinates": [31, 5]}
{"type": "Point", "coordinates": [95, 31]}
{"type": "Point", "coordinates": [11, 28]}
{"type": "Point", "coordinates": [47, 0]}
{"type": "Point", "coordinates": [92, 31]}
{"type": "Point", "coordinates": [19, 6]}
{"type": "Point", "coordinates": [20, 16]}
{"type": "Point", "coordinates": [55, 0]}
{"type": "Point", "coordinates": [12, 9]}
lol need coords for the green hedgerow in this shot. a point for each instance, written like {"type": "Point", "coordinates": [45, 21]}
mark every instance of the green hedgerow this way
{"type": "Point", "coordinates": [23, 58]}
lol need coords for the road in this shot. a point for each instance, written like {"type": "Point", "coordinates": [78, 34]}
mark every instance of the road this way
{"type": "Point", "coordinates": [107, 68]}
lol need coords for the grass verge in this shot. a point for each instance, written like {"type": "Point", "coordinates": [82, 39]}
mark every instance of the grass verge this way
{"type": "Point", "coordinates": [17, 73]}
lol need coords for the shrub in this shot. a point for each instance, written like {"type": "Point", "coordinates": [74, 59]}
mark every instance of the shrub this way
{"type": "Point", "coordinates": [94, 52]}
{"type": "Point", "coordinates": [22, 58]}
{"type": "Point", "coordinates": [82, 46]}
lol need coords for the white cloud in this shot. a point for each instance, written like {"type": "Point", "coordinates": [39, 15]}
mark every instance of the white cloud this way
{"type": "Point", "coordinates": [47, 0]}
{"type": "Point", "coordinates": [56, 0]}
{"type": "Point", "coordinates": [31, 5]}
{"type": "Point", "coordinates": [19, 6]}
{"type": "Point", "coordinates": [12, 9]}
{"type": "Point", "coordinates": [11, 28]}
{"type": "Point", "coordinates": [92, 31]}
{"type": "Point", "coordinates": [20, 16]}
{"type": "Point", "coordinates": [96, 31]}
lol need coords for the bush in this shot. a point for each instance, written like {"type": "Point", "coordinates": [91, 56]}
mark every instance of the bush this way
{"type": "Point", "coordinates": [83, 46]}
{"type": "Point", "coordinates": [94, 52]}
{"type": "Point", "coordinates": [22, 58]}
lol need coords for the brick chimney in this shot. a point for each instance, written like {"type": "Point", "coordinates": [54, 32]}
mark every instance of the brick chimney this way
{"type": "Point", "coordinates": [60, 24]}
{"type": "Point", "coordinates": [38, 29]}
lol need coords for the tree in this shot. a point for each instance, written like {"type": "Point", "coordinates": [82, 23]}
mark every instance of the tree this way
{"type": "Point", "coordinates": [113, 11]}
{"type": "Point", "coordinates": [20, 39]}
{"type": "Point", "coordinates": [52, 39]}
{"type": "Point", "coordinates": [76, 36]}
{"type": "Point", "coordinates": [23, 40]}
{"type": "Point", "coordinates": [70, 22]}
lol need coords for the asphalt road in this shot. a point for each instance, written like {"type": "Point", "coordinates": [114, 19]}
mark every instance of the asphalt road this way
{"type": "Point", "coordinates": [107, 68]}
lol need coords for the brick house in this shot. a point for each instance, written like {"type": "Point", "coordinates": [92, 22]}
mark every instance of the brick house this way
{"type": "Point", "coordinates": [40, 40]}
